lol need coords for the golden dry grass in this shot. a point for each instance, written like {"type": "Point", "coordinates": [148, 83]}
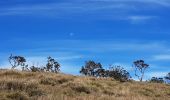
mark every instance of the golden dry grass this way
{"type": "Point", "coordinates": [16, 85]}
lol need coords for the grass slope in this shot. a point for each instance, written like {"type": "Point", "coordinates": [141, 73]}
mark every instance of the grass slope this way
{"type": "Point", "coordinates": [15, 85]}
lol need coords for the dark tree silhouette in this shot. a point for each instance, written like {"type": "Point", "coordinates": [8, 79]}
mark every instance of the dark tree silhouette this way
{"type": "Point", "coordinates": [100, 72]}
{"type": "Point", "coordinates": [90, 68]}
{"type": "Point", "coordinates": [140, 67]}
{"type": "Point", "coordinates": [52, 65]}
{"type": "Point", "coordinates": [118, 73]}
{"type": "Point", "coordinates": [157, 80]}
{"type": "Point", "coordinates": [84, 71]}
{"type": "Point", "coordinates": [16, 61]}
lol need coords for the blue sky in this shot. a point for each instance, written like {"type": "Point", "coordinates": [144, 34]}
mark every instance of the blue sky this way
{"type": "Point", "coordinates": [114, 32]}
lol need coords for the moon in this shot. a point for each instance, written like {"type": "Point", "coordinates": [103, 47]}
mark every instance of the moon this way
{"type": "Point", "coordinates": [71, 34]}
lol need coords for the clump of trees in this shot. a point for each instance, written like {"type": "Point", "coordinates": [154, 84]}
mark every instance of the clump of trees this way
{"type": "Point", "coordinates": [19, 61]}
{"type": "Point", "coordinates": [92, 68]}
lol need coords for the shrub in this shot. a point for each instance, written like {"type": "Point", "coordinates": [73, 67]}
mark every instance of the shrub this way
{"type": "Point", "coordinates": [118, 73]}
{"type": "Point", "coordinates": [156, 80]}
{"type": "Point", "coordinates": [53, 81]}
{"type": "Point", "coordinates": [80, 89]}
{"type": "Point", "coordinates": [48, 81]}
{"type": "Point", "coordinates": [35, 69]}
{"type": "Point", "coordinates": [17, 96]}
{"type": "Point", "coordinates": [35, 93]}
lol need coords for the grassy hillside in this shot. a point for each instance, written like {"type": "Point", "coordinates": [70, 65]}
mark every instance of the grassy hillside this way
{"type": "Point", "coordinates": [15, 85]}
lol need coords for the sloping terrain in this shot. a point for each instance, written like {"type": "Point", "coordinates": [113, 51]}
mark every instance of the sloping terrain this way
{"type": "Point", "coordinates": [16, 85]}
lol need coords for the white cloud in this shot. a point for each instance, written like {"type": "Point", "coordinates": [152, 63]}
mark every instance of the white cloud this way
{"type": "Point", "coordinates": [159, 2]}
{"type": "Point", "coordinates": [70, 57]}
{"type": "Point", "coordinates": [105, 46]}
{"type": "Point", "coordinates": [42, 59]}
{"type": "Point", "coordinates": [161, 57]}
{"type": "Point", "coordinates": [139, 19]}
{"type": "Point", "coordinates": [71, 47]}
{"type": "Point", "coordinates": [155, 74]}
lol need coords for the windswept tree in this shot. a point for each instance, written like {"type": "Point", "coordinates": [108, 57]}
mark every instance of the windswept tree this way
{"type": "Point", "coordinates": [52, 65]}
{"type": "Point", "coordinates": [90, 68]}
{"type": "Point", "coordinates": [118, 73]}
{"type": "Point", "coordinates": [140, 68]}
{"type": "Point", "coordinates": [16, 61]}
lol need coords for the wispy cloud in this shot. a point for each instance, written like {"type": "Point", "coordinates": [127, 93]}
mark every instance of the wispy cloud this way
{"type": "Point", "coordinates": [58, 8]}
{"type": "Point", "coordinates": [107, 9]}
{"type": "Point", "coordinates": [156, 74]}
{"type": "Point", "coordinates": [72, 47]}
{"type": "Point", "coordinates": [159, 2]}
{"type": "Point", "coordinates": [140, 19]}
{"type": "Point", "coordinates": [161, 57]}
{"type": "Point", "coordinates": [41, 60]}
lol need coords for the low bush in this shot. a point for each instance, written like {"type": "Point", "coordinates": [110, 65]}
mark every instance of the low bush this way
{"type": "Point", "coordinates": [17, 96]}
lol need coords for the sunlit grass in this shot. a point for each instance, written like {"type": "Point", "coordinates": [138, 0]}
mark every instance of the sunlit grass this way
{"type": "Point", "coordinates": [16, 85]}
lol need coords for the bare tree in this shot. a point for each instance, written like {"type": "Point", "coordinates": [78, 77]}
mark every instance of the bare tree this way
{"type": "Point", "coordinates": [140, 67]}
{"type": "Point", "coordinates": [16, 61]}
